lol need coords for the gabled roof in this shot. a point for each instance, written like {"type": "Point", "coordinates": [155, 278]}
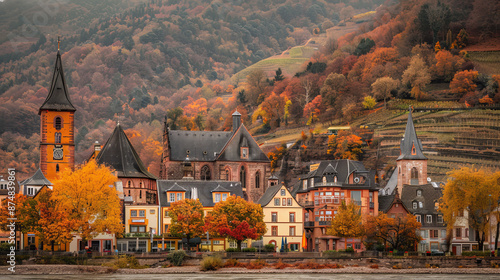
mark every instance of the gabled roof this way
{"type": "Point", "coordinates": [58, 98]}
{"type": "Point", "coordinates": [220, 188]}
{"type": "Point", "coordinates": [119, 154]}
{"type": "Point", "coordinates": [411, 142]}
{"type": "Point", "coordinates": [430, 195]}
{"type": "Point", "coordinates": [199, 189]}
{"type": "Point", "coordinates": [242, 138]}
{"type": "Point", "coordinates": [200, 145]}
{"type": "Point", "coordinates": [385, 202]}
{"type": "Point", "coordinates": [269, 195]}
{"type": "Point", "coordinates": [38, 179]}
{"type": "Point", "coordinates": [176, 187]}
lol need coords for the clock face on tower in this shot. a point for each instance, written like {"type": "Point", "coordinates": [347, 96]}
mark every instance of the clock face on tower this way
{"type": "Point", "coordinates": [58, 152]}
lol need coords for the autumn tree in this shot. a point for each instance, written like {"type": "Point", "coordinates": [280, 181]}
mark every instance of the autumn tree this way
{"type": "Point", "coordinates": [382, 88]}
{"type": "Point", "coordinates": [89, 196]}
{"type": "Point", "coordinates": [173, 117]}
{"type": "Point", "coordinates": [187, 218]}
{"type": "Point", "coordinates": [256, 83]}
{"type": "Point", "coordinates": [333, 87]}
{"type": "Point", "coordinates": [417, 75]}
{"type": "Point", "coordinates": [464, 82]}
{"type": "Point", "coordinates": [313, 109]}
{"type": "Point", "coordinates": [399, 233]}
{"type": "Point", "coordinates": [54, 225]}
{"type": "Point", "coordinates": [347, 222]}
{"type": "Point", "coordinates": [345, 145]}
{"type": "Point", "coordinates": [369, 102]}
{"type": "Point", "coordinates": [446, 65]}
{"type": "Point", "coordinates": [274, 106]}
{"type": "Point", "coordinates": [236, 219]}
{"type": "Point", "coordinates": [472, 193]}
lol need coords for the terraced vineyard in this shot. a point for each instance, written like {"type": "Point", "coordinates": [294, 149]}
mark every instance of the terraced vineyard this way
{"type": "Point", "coordinates": [451, 139]}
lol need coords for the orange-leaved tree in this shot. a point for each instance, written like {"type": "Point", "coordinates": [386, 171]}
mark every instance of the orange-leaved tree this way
{"type": "Point", "coordinates": [236, 219]}
{"type": "Point", "coordinates": [54, 225]}
{"type": "Point", "coordinates": [89, 197]}
{"type": "Point", "coordinates": [187, 218]}
{"type": "Point", "coordinates": [400, 233]}
{"type": "Point", "coordinates": [464, 82]}
{"type": "Point", "coordinates": [475, 192]}
{"type": "Point", "coordinates": [345, 145]}
{"type": "Point", "coordinates": [347, 222]}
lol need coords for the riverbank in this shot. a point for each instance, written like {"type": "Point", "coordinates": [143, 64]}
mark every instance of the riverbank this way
{"type": "Point", "coordinates": [92, 270]}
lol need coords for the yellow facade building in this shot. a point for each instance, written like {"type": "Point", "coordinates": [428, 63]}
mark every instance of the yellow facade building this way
{"type": "Point", "coordinates": [283, 217]}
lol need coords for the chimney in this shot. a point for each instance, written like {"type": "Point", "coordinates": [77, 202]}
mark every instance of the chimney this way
{"type": "Point", "coordinates": [236, 121]}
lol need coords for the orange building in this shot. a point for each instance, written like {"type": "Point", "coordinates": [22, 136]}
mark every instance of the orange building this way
{"type": "Point", "coordinates": [57, 145]}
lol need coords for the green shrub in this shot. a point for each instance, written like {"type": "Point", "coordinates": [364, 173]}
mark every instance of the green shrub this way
{"type": "Point", "coordinates": [476, 253]}
{"type": "Point", "coordinates": [233, 250]}
{"type": "Point", "coordinates": [349, 250]}
{"type": "Point", "coordinates": [211, 263]}
{"type": "Point", "coordinates": [57, 260]}
{"type": "Point", "coordinates": [269, 248]}
{"type": "Point", "coordinates": [329, 253]}
{"type": "Point", "coordinates": [249, 249]}
{"type": "Point", "coordinates": [177, 257]}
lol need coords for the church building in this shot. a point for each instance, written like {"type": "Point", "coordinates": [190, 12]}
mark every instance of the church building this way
{"type": "Point", "coordinates": [57, 145]}
{"type": "Point", "coordinates": [217, 155]}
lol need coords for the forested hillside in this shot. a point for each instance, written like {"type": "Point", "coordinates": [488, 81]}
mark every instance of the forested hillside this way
{"type": "Point", "coordinates": [177, 57]}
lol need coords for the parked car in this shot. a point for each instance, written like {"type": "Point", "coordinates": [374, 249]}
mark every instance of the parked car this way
{"type": "Point", "coordinates": [437, 253]}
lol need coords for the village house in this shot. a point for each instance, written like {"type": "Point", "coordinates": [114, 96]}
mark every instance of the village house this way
{"type": "Point", "coordinates": [322, 191]}
{"type": "Point", "coordinates": [283, 216]}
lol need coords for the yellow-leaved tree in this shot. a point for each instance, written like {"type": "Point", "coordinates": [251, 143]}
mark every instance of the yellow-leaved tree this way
{"type": "Point", "coordinates": [474, 194]}
{"type": "Point", "coordinates": [347, 222]}
{"type": "Point", "coordinates": [399, 233]}
{"type": "Point", "coordinates": [90, 199]}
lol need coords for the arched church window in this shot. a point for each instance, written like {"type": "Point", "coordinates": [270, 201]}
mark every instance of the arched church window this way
{"type": "Point", "coordinates": [228, 174]}
{"type": "Point", "coordinates": [57, 137]}
{"type": "Point", "coordinates": [257, 180]}
{"type": "Point", "coordinates": [58, 123]}
{"type": "Point", "coordinates": [205, 173]}
{"type": "Point", "coordinates": [414, 173]}
{"type": "Point", "coordinates": [243, 176]}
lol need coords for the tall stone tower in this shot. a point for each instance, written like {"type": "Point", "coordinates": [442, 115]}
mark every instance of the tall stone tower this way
{"type": "Point", "coordinates": [411, 163]}
{"type": "Point", "coordinates": [57, 145]}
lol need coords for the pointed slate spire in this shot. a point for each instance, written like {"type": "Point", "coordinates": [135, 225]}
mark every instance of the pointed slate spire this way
{"type": "Point", "coordinates": [58, 98]}
{"type": "Point", "coordinates": [411, 147]}
{"type": "Point", "coordinates": [119, 154]}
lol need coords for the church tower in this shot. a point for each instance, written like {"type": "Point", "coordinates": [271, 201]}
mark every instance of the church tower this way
{"type": "Point", "coordinates": [57, 145]}
{"type": "Point", "coordinates": [411, 163]}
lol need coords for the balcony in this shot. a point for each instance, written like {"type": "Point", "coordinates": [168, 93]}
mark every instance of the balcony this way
{"type": "Point", "coordinates": [325, 223]}
{"type": "Point", "coordinates": [308, 224]}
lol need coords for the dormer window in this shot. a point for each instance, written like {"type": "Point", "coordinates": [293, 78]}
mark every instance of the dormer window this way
{"type": "Point", "coordinates": [413, 150]}
{"type": "Point", "coordinates": [304, 184]}
{"type": "Point", "coordinates": [420, 204]}
{"type": "Point", "coordinates": [324, 179]}
{"type": "Point", "coordinates": [244, 152]}
{"type": "Point", "coordinates": [419, 192]}
{"type": "Point", "coordinates": [415, 205]}
{"type": "Point", "coordinates": [335, 179]}
{"type": "Point", "coordinates": [220, 196]}
{"type": "Point", "coordinates": [312, 182]}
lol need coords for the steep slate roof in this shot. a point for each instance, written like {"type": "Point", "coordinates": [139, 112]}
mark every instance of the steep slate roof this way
{"type": "Point", "coordinates": [269, 195]}
{"type": "Point", "coordinates": [201, 145]}
{"type": "Point", "coordinates": [341, 168]}
{"type": "Point", "coordinates": [385, 202]}
{"type": "Point", "coordinates": [58, 98]}
{"type": "Point", "coordinates": [119, 154]}
{"type": "Point", "coordinates": [409, 141]}
{"type": "Point", "coordinates": [430, 195]}
{"type": "Point", "coordinates": [242, 138]}
{"type": "Point", "coordinates": [204, 190]}
{"type": "Point", "coordinates": [38, 179]}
